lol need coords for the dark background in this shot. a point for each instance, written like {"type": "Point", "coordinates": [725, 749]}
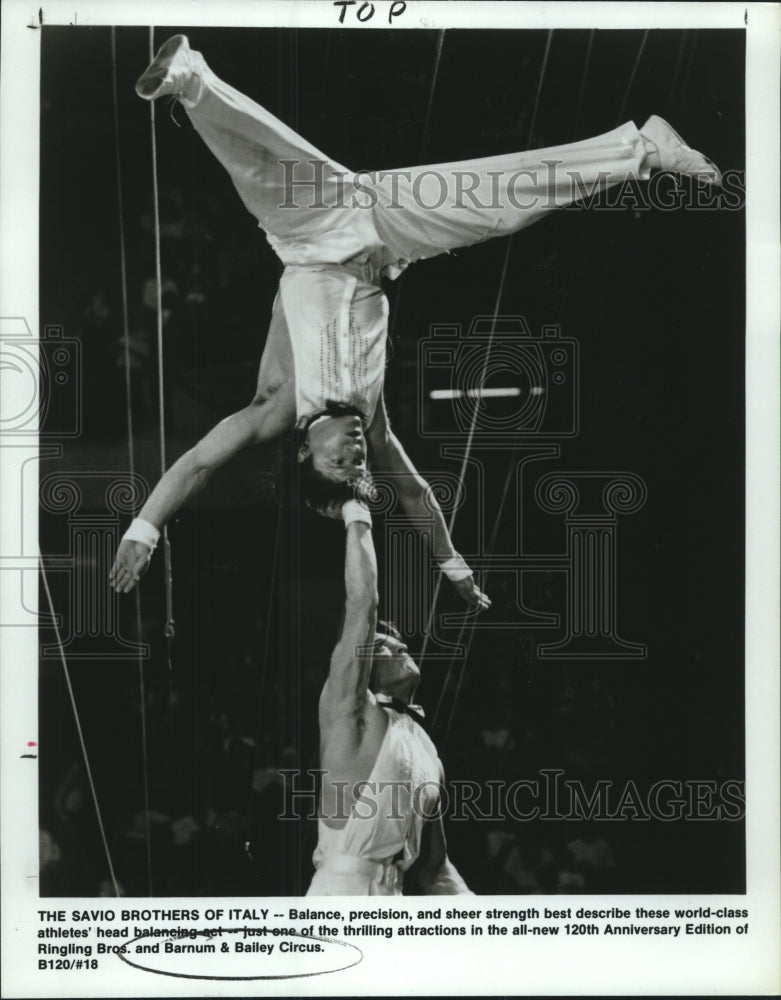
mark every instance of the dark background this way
{"type": "Point", "coordinates": [656, 301]}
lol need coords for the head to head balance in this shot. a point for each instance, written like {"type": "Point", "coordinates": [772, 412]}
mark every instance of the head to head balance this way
{"type": "Point", "coordinates": [328, 453]}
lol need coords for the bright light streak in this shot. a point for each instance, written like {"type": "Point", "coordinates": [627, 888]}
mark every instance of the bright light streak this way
{"type": "Point", "coordinates": [495, 393]}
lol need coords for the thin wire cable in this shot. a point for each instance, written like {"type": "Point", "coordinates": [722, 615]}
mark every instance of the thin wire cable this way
{"type": "Point", "coordinates": [513, 457]}
{"type": "Point", "coordinates": [464, 463]}
{"type": "Point", "coordinates": [677, 70]}
{"type": "Point", "coordinates": [632, 76]}
{"type": "Point", "coordinates": [491, 546]}
{"type": "Point", "coordinates": [122, 259]}
{"type": "Point", "coordinates": [586, 218]}
{"type": "Point", "coordinates": [131, 446]}
{"type": "Point", "coordinates": [433, 84]}
{"type": "Point", "coordinates": [79, 730]}
{"type": "Point", "coordinates": [169, 619]}
{"type": "Point", "coordinates": [582, 91]}
{"type": "Point", "coordinates": [473, 422]}
{"type": "Point", "coordinates": [266, 647]}
{"type": "Point", "coordinates": [543, 69]}
{"type": "Point", "coordinates": [489, 554]}
{"type": "Point", "coordinates": [266, 638]}
{"type": "Point", "coordinates": [689, 67]}
{"type": "Point", "coordinates": [423, 148]}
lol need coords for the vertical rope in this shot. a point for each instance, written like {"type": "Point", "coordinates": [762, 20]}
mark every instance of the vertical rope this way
{"type": "Point", "coordinates": [131, 446]}
{"type": "Point", "coordinates": [79, 731]}
{"type": "Point", "coordinates": [169, 619]}
{"type": "Point", "coordinates": [122, 259]}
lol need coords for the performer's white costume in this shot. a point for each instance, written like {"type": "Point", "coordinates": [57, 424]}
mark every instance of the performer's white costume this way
{"type": "Point", "coordinates": [339, 232]}
{"type": "Point", "coordinates": [370, 853]}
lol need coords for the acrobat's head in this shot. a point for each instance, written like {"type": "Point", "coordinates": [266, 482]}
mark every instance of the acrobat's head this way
{"type": "Point", "coordinates": [393, 670]}
{"type": "Point", "coordinates": [329, 452]}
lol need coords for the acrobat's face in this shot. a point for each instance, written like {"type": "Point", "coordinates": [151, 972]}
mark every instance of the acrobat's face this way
{"type": "Point", "coordinates": [393, 669]}
{"type": "Point", "coordinates": [337, 446]}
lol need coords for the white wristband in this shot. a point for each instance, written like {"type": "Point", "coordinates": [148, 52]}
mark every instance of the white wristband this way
{"type": "Point", "coordinates": [142, 531]}
{"type": "Point", "coordinates": [353, 510]}
{"type": "Point", "coordinates": [455, 569]}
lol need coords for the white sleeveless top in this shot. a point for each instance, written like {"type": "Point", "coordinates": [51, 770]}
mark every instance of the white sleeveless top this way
{"type": "Point", "coordinates": [409, 758]}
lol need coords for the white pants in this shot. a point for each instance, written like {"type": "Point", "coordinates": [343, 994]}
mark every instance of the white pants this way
{"type": "Point", "coordinates": [310, 206]}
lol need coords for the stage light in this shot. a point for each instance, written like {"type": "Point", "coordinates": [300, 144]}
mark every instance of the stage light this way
{"type": "Point", "coordinates": [485, 393]}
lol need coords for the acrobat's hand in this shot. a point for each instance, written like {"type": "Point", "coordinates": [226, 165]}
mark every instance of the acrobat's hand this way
{"type": "Point", "coordinates": [471, 593]}
{"type": "Point", "coordinates": [131, 563]}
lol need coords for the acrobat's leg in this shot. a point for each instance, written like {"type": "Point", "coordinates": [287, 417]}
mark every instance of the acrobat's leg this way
{"type": "Point", "coordinates": [424, 211]}
{"type": "Point", "coordinates": [261, 153]}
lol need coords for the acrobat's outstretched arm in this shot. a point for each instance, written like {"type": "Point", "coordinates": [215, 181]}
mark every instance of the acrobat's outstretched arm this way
{"type": "Point", "coordinates": [263, 420]}
{"type": "Point", "coordinates": [346, 688]}
{"type": "Point", "coordinates": [419, 502]}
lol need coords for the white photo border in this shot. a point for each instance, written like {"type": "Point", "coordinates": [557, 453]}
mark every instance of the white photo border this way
{"type": "Point", "coordinates": [596, 966]}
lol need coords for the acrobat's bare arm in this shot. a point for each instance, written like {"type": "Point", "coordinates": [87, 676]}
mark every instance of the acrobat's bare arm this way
{"type": "Point", "coordinates": [436, 873]}
{"type": "Point", "coordinates": [419, 502]}
{"type": "Point", "coordinates": [346, 687]}
{"type": "Point", "coordinates": [263, 420]}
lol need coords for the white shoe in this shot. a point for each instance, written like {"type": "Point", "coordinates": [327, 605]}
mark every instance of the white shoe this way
{"type": "Point", "coordinates": [675, 154]}
{"type": "Point", "coordinates": [169, 72]}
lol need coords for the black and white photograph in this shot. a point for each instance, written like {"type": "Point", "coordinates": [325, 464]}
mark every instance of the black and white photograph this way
{"type": "Point", "coordinates": [380, 389]}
